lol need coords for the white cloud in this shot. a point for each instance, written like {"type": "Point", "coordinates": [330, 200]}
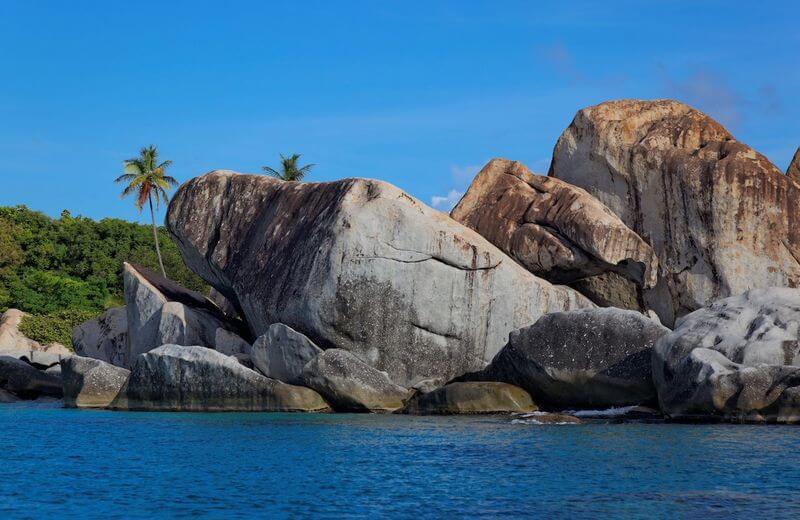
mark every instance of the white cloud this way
{"type": "Point", "coordinates": [447, 202]}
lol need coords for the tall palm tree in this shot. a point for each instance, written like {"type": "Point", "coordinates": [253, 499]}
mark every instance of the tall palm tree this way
{"type": "Point", "coordinates": [145, 177]}
{"type": "Point", "coordinates": [289, 170]}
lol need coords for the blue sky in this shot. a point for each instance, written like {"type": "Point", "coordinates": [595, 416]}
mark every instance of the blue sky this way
{"type": "Point", "coordinates": [419, 94]}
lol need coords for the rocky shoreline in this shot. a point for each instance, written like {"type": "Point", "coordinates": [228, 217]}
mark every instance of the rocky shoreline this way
{"type": "Point", "coordinates": [652, 271]}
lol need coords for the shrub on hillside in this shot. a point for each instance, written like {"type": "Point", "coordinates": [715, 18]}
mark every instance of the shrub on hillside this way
{"type": "Point", "coordinates": [54, 327]}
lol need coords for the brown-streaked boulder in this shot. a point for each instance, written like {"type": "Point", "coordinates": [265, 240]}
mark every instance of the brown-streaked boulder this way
{"type": "Point", "coordinates": [720, 216]}
{"type": "Point", "coordinates": [793, 171]}
{"type": "Point", "coordinates": [485, 397]}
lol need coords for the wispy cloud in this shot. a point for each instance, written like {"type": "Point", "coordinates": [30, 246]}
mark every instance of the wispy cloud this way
{"type": "Point", "coordinates": [708, 91]}
{"type": "Point", "coordinates": [461, 177]}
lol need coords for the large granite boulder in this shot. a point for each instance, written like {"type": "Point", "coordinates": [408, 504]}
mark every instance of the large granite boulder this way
{"type": "Point", "coordinates": [159, 312]}
{"type": "Point", "coordinates": [793, 171]}
{"type": "Point", "coordinates": [360, 265]}
{"type": "Point", "coordinates": [91, 383]}
{"type": "Point", "coordinates": [198, 379]}
{"type": "Point", "coordinates": [555, 230]}
{"type": "Point", "coordinates": [26, 381]}
{"type": "Point", "coordinates": [720, 217]}
{"type": "Point", "coordinates": [104, 338]}
{"type": "Point", "coordinates": [350, 385]}
{"type": "Point", "coordinates": [471, 398]}
{"type": "Point", "coordinates": [11, 339]}
{"type": "Point", "coordinates": [737, 359]}
{"type": "Point", "coordinates": [594, 358]}
{"type": "Point", "coordinates": [282, 352]}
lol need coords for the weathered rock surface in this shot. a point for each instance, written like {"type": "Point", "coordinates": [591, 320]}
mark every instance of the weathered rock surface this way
{"type": "Point", "coordinates": [720, 217]}
{"type": "Point", "coordinates": [594, 358]}
{"type": "Point", "coordinates": [25, 381]}
{"type": "Point", "coordinates": [11, 339]}
{"type": "Point", "coordinates": [358, 264]}
{"type": "Point", "coordinates": [282, 352]}
{"type": "Point", "coordinates": [104, 338]}
{"type": "Point", "coordinates": [160, 312]}
{"type": "Point", "coordinates": [793, 171]}
{"type": "Point", "coordinates": [91, 383]}
{"type": "Point", "coordinates": [350, 385]}
{"type": "Point", "coordinates": [555, 230]}
{"type": "Point", "coordinates": [193, 378]}
{"type": "Point", "coordinates": [471, 398]}
{"type": "Point", "coordinates": [737, 359]}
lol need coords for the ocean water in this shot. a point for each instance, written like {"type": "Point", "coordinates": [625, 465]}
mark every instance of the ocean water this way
{"type": "Point", "coordinates": [59, 463]}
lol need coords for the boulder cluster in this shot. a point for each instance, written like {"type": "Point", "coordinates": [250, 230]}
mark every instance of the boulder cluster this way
{"type": "Point", "coordinates": [653, 268]}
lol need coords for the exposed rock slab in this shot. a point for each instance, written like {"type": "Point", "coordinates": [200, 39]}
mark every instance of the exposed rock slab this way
{"type": "Point", "coordinates": [25, 381]}
{"type": "Point", "coordinates": [555, 230]}
{"type": "Point", "coordinates": [350, 385]}
{"type": "Point", "coordinates": [282, 352]}
{"type": "Point", "coordinates": [161, 312]}
{"type": "Point", "coordinates": [793, 171]}
{"type": "Point", "coordinates": [358, 264]}
{"type": "Point", "coordinates": [595, 358]}
{"type": "Point", "coordinates": [720, 217]}
{"type": "Point", "coordinates": [471, 398]}
{"type": "Point", "coordinates": [91, 383]}
{"type": "Point", "coordinates": [193, 378]}
{"type": "Point", "coordinates": [104, 338]}
{"type": "Point", "coordinates": [737, 359]}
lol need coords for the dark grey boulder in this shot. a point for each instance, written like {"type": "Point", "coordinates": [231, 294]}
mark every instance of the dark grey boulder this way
{"type": "Point", "coordinates": [91, 383]}
{"type": "Point", "coordinates": [192, 378]}
{"type": "Point", "coordinates": [350, 385]}
{"type": "Point", "coordinates": [104, 338]}
{"type": "Point", "coordinates": [26, 381]}
{"type": "Point", "coordinates": [282, 352]}
{"type": "Point", "coordinates": [594, 358]}
{"type": "Point", "coordinates": [471, 398]}
{"type": "Point", "coordinates": [735, 360]}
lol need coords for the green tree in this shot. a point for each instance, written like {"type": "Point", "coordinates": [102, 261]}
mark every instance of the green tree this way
{"type": "Point", "coordinates": [146, 178]}
{"type": "Point", "coordinates": [289, 171]}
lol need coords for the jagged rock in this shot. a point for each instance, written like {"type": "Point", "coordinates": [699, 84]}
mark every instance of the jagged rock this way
{"type": "Point", "coordinates": [91, 383]}
{"type": "Point", "coordinates": [737, 359]}
{"type": "Point", "coordinates": [160, 312]}
{"type": "Point", "coordinates": [793, 171]}
{"type": "Point", "coordinates": [25, 381]}
{"type": "Point", "coordinates": [350, 385]}
{"type": "Point", "coordinates": [104, 338]}
{"type": "Point", "coordinates": [358, 264]}
{"type": "Point", "coordinates": [11, 339]}
{"type": "Point", "coordinates": [720, 217]}
{"type": "Point", "coordinates": [282, 352]}
{"type": "Point", "coordinates": [594, 358]}
{"type": "Point", "coordinates": [193, 378]}
{"type": "Point", "coordinates": [555, 230]}
{"type": "Point", "coordinates": [471, 398]}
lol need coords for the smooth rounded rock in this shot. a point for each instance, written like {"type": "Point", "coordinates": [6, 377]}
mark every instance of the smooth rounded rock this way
{"type": "Point", "coordinates": [471, 398]}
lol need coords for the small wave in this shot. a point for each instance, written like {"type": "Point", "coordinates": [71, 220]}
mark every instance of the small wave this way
{"type": "Point", "coordinates": [609, 412]}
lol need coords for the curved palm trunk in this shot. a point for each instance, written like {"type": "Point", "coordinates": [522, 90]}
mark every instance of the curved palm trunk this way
{"type": "Point", "coordinates": [155, 236]}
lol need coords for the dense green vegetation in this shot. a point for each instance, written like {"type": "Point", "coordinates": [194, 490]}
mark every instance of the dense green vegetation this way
{"type": "Point", "coordinates": [75, 263]}
{"type": "Point", "coordinates": [55, 326]}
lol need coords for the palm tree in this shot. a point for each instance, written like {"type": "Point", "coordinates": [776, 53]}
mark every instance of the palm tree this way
{"type": "Point", "coordinates": [145, 177]}
{"type": "Point", "coordinates": [289, 170]}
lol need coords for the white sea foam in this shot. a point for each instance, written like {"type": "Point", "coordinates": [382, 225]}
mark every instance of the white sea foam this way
{"type": "Point", "coordinates": [609, 412]}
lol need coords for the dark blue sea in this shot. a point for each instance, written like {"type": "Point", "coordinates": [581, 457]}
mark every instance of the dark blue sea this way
{"type": "Point", "coordinates": [59, 463]}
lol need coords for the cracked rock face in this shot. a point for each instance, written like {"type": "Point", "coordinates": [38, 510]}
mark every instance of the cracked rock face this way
{"type": "Point", "coordinates": [737, 359]}
{"type": "Point", "coordinates": [555, 230]}
{"type": "Point", "coordinates": [360, 265]}
{"type": "Point", "coordinates": [198, 379]}
{"type": "Point", "coordinates": [594, 358]}
{"type": "Point", "coordinates": [720, 217]}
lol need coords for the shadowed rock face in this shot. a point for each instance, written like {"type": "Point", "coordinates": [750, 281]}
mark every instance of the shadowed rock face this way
{"type": "Point", "coordinates": [192, 378]}
{"type": "Point", "coordinates": [104, 338]}
{"type": "Point", "coordinates": [737, 359]}
{"type": "Point", "coordinates": [360, 265]}
{"type": "Point", "coordinates": [553, 229]}
{"type": "Point", "coordinates": [90, 383]}
{"type": "Point", "coordinates": [594, 358]}
{"type": "Point", "coordinates": [793, 171]}
{"type": "Point", "coordinates": [720, 217]}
